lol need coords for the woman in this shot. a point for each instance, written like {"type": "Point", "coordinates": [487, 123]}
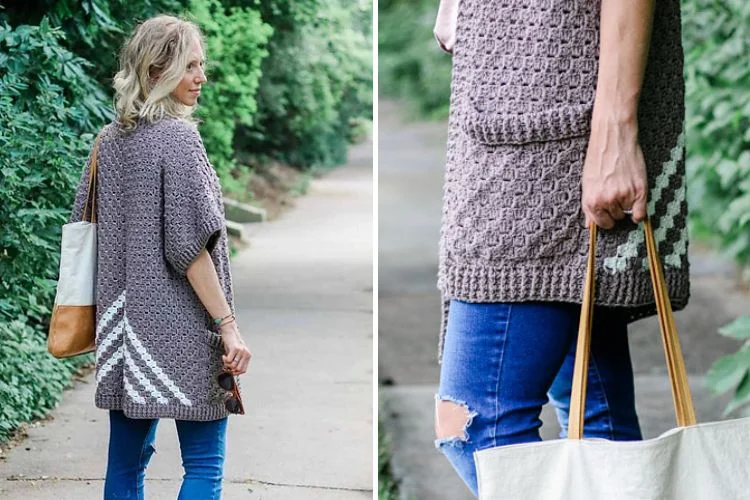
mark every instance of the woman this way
{"type": "Point", "coordinates": [564, 114]}
{"type": "Point", "coordinates": [167, 341]}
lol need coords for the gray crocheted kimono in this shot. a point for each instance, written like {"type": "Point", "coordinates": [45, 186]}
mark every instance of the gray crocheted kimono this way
{"type": "Point", "coordinates": [158, 205]}
{"type": "Point", "coordinates": [523, 88]}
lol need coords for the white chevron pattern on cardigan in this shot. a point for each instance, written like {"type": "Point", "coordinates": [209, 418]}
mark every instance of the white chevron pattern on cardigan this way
{"type": "Point", "coordinates": [636, 237]}
{"type": "Point", "coordinates": [127, 342]}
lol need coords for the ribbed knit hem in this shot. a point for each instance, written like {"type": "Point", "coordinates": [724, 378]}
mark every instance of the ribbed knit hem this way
{"type": "Point", "coordinates": [529, 281]}
{"type": "Point", "coordinates": [555, 123]}
{"type": "Point", "coordinates": [155, 410]}
{"type": "Point", "coordinates": [209, 233]}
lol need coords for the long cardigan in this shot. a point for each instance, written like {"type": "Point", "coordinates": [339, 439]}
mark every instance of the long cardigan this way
{"type": "Point", "coordinates": [158, 205]}
{"type": "Point", "coordinates": [522, 92]}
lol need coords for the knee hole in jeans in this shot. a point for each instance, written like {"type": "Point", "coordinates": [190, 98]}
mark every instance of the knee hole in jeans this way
{"type": "Point", "coordinates": [452, 421]}
{"type": "Point", "coordinates": [148, 450]}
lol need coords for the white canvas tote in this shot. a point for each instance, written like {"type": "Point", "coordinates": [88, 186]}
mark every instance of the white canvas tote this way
{"type": "Point", "coordinates": [708, 461]}
{"type": "Point", "coordinates": [72, 327]}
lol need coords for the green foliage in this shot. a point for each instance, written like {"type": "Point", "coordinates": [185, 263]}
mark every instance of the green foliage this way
{"type": "Point", "coordinates": [718, 122]}
{"type": "Point", "coordinates": [31, 381]}
{"type": "Point", "coordinates": [718, 128]}
{"type": "Point", "coordinates": [732, 372]}
{"type": "Point", "coordinates": [235, 46]}
{"type": "Point", "coordinates": [317, 82]}
{"type": "Point", "coordinates": [411, 66]}
{"type": "Point", "coordinates": [285, 15]}
{"type": "Point", "coordinates": [387, 486]}
{"type": "Point", "coordinates": [47, 101]}
{"type": "Point", "coordinates": [94, 29]}
{"type": "Point", "coordinates": [40, 159]}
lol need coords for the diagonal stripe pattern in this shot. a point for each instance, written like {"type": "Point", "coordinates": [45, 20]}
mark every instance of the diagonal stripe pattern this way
{"type": "Point", "coordinates": [128, 347]}
{"type": "Point", "coordinates": [636, 237]}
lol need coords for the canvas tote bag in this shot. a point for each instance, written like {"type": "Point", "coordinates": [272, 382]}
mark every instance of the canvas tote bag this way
{"type": "Point", "coordinates": [72, 328]}
{"type": "Point", "coordinates": [709, 461]}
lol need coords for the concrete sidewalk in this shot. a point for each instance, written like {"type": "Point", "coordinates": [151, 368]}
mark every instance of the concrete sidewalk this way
{"type": "Point", "coordinates": [303, 293]}
{"type": "Point", "coordinates": [410, 175]}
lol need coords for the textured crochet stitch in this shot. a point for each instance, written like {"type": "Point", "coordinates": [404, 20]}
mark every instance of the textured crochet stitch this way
{"type": "Point", "coordinates": [158, 204]}
{"type": "Point", "coordinates": [523, 86]}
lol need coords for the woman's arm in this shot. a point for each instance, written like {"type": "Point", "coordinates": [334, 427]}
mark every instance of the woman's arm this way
{"type": "Point", "coordinates": [614, 173]}
{"type": "Point", "coordinates": [445, 25]}
{"type": "Point", "coordinates": [203, 278]}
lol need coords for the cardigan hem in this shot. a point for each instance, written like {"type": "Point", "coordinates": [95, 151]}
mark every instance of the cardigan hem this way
{"type": "Point", "coordinates": [531, 281]}
{"type": "Point", "coordinates": [155, 410]}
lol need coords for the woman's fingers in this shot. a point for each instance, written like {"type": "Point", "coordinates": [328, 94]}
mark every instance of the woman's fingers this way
{"type": "Point", "coordinates": [245, 362]}
{"type": "Point", "coordinates": [237, 359]}
{"type": "Point", "coordinates": [639, 210]}
{"type": "Point", "coordinates": [614, 174]}
{"type": "Point", "coordinates": [616, 211]}
{"type": "Point", "coordinates": [601, 217]}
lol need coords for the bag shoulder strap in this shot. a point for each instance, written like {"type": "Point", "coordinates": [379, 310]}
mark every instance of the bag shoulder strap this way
{"type": "Point", "coordinates": [91, 192]}
{"type": "Point", "coordinates": [683, 401]}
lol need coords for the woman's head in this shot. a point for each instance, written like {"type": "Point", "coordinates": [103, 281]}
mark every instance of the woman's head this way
{"type": "Point", "coordinates": [161, 67]}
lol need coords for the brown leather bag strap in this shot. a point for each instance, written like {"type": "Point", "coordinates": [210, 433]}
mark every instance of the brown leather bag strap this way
{"type": "Point", "coordinates": [683, 401]}
{"type": "Point", "coordinates": [581, 366]}
{"type": "Point", "coordinates": [91, 192]}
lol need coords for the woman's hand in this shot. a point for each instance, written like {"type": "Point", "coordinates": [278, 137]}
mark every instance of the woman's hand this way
{"type": "Point", "coordinates": [445, 25]}
{"type": "Point", "coordinates": [237, 355]}
{"type": "Point", "coordinates": [614, 173]}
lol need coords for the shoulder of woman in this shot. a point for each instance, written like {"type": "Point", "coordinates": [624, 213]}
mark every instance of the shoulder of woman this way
{"type": "Point", "coordinates": [179, 129]}
{"type": "Point", "coordinates": [179, 137]}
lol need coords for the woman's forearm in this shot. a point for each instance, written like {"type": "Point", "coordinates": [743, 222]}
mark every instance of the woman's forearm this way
{"type": "Point", "coordinates": [203, 278]}
{"type": "Point", "coordinates": [625, 36]}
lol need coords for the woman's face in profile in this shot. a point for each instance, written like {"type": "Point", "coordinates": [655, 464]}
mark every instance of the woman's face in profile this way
{"type": "Point", "coordinates": [188, 89]}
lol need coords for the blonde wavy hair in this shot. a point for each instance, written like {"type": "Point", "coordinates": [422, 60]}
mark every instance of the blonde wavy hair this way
{"type": "Point", "coordinates": [160, 44]}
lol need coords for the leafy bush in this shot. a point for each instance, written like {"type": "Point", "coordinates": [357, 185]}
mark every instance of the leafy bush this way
{"type": "Point", "coordinates": [718, 127]}
{"type": "Point", "coordinates": [235, 47]}
{"type": "Point", "coordinates": [47, 101]}
{"type": "Point", "coordinates": [41, 158]}
{"type": "Point", "coordinates": [318, 78]}
{"type": "Point", "coordinates": [94, 29]}
{"type": "Point", "coordinates": [31, 381]}
{"type": "Point", "coordinates": [732, 372]}
{"type": "Point", "coordinates": [411, 66]}
{"type": "Point", "coordinates": [718, 121]}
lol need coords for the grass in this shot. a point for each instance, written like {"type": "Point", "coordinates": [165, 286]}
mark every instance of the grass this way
{"type": "Point", "coordinates": [387, 486]}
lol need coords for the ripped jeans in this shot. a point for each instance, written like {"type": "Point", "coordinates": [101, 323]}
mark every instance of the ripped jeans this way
{"type": "Point", "coordinates": [501, 363]}
{"type": "Point", "coordinates": [131, 444]}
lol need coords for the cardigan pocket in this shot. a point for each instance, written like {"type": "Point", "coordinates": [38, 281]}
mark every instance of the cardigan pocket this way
{"type": "Point", "coordinates": [526, 73]}
{"type": "Point", "coordinates": [540, 126]}
{"type": "Point", "coordinates": [213, 340]}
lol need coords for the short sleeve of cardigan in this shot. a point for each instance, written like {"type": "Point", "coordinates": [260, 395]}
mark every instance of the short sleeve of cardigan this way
{"type": "Point", "coordinates": [193, 217]}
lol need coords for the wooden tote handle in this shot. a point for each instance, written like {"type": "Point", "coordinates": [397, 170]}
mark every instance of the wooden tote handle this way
{"type": "Point", "coordinates": [683, 401]}
{"type": "Point", "coordinates": [91, 193]}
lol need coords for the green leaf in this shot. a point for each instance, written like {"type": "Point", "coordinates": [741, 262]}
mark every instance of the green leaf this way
{"type": "Point", "coordinates": [741, 396]}
{"type": "Point", "coordinates": [738, 329]}
{"type": "Point", "coordinates": [727, 371]}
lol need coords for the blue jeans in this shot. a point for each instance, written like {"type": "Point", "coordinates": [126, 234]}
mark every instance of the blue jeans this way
{"type": "Point", "coordinates": [501, 363]}
{"type": "Point", "coordinates": [202, 445]}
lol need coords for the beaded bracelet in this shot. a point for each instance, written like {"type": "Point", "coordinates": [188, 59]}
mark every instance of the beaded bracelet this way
{"type": "Point", "coordinates": [219, 322]}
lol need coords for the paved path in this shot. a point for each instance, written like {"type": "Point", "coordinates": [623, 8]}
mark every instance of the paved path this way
{"type": "Point", "coordinates": [410, 175]}
{"type": "Point", "coordinates": [304, 303]}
